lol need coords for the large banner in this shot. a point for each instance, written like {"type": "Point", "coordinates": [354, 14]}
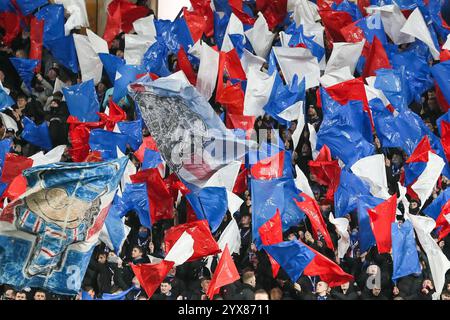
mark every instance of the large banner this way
{"type": "Point", "coordinates": [48, 234]}
{"type": "Point", "coordinates": [189, 134]}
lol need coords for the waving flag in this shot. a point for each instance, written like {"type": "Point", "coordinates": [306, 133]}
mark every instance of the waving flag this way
{"type": "Point", "coordinates": [365, 235]}
{"type": "Point", "coordinates": [36, 40]}
{"type": "Point", "coordinates": [50, 246]}
{"type": "Point", "coordinates": [5, 99]}
{"type": "Point", "coordinates": [82, 101]}
{"type": "Point", "coordinates": [210, 204]}
{"type": "Point", "coordinates": [10, 22]}
{"type": "Point", "coordinates": [271, 232]}
{"type": "Point", "coordinates": [344, 54]}
{"type": "Point", "coordinates": [37, 135]}
{"type": "Point", "coordinates": [64, 51]}
{"type": "Point", "coordinates": [350, 189]}
{"type": "Point", "coordinates": [293, 256]}
{"type": "Point", "coordinates": [107, 143]}
{"type": "Point", "coordinates": [310, 207]}
{"type": "Point", "coordinates": [133, 130]}
{"type": "Point", "coordinates": [404, 251]}
{"type": "Point", "coordinates": [440, 72]}
{"type": "Point", "coordinates": [125, 75]}
{"type": "Point", "coordinates": [135, 198]}
{"type": "Point", "coordinates": [326, 171]}
{"type": "Point", "coordinates": [372, 170]}
{"type": "Point", "coordinates": [150, 276]}
{"type": "Point", "coordinates": [225, 273]}
{"type": "Point", "coordinates": [114, 231]}
{"type": "Point", "coordinates": [204, 243]}
{"type": "Point", "coordinates": [377, 59]}
{"type": "Point", "coordinates": [28, 6]}
{"type": "Point", "coordinates": [25, 69]}
{"type": "Point", "coordinates": [53, 16]}
{"type": "Point", "coordinates": [111, 63]}
{"type": "Point", "coordinates": [381, 219]}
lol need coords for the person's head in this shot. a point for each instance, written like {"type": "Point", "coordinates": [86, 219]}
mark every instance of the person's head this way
{"type": "Point", "coordinates": [54, 103]}
{"type": "Point", "coordinates": [165, 286]}
{"type": "Point", "coordinates": [322, 288]}
{"type": "Point", "coordinates": [136, 252]}
{"type": "Point", "coordinates": [172, 272]}
{"type": "Point", "coordinates": [52, 74]}
{"type": "Point", "coordinates": [143, 232]}
{"type": "Point", "coordinates": [101, 258]}
{"type": "Point", "coordinates": [276, 294]}
{"type": "Point", "coordinates": [261, 294]}
{"type": "Point", "coordinates": [40, 295]}
{"type": "Point", "coordinates": [445, 295]}
{"type": "Point", "coordinates": [21, 54]}
{"type": "Point", "coordinates": [101, 87]}
{"type": "Point", "coordinates": [345, 286]}
{"type": "Point", "coordinates": [21, 295]}
{"type": "Point", "coordinates": [249, 278]}
{"type": "Point", "coordinates": [312, 113]}
{"type": "Point", "coordinates": [376, 291]}
{"type": "Point", "coordinates": [120, 53]}
{"type": "Point", "coordinates": [21, 101]}
{"type": "Point", "coordinates": [204, 283]}
{"type": "Point", "coordinates": [245, 220]}
{"type": "Point", "coordinates": [427, 284]}
{"type": "Point", "coordinates": [9, 294]}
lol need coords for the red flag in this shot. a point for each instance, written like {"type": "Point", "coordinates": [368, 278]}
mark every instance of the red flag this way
{"type": "Point", "coordinates": [377, 59]}
{"type": "Point", "coordinates": [204, 243]}
{"type": "Point", "coordinates": [353, 33]}
{"type": "Point", "coordinates": [147, 143]}
{"type": "Point", "coordinates": [113, 22]}
{"type": "Point", "coordinates": [203, 7]}
{"type": "Point", "coordinates": [160, 198]}
{"type": "Point", "coordinates": [94, 156]}
{"type": "Point", "coordinates": [184, 64]}
{"type": "Point", "coordinates": [150, 276]}
{"type": "Point", "coordinates": [349, 90]}
{"type": "Point", "coordinates": [310, 207]}
{"type": "Point", "coordinates": [271, 232]}
{"type": "Point", "coordinates": [36, 40]}
{"type": "Point", "coordinates": [326, 171]}
{"type": "Point", "coordinates": [14, 166]}
{"type": "Point", "coordinates": [10, 22]}
{"type": "Point", "coordinates": [174, 185]}
{"type": "Point", "coordinates": [445, 55]}
{"type": "Point", "coordinates": [191, 216]}
{"type": "Point", "coordinates": [334, 21]}
{"type": "Point", "coordinates": [445, 138]}
{"type": "Point", "coordinates": [241, 184]}
{"type": "Point", "coordinates": [236, 7]}
{"type": "Point", "coordinates": [230, 67]}
{"type": "Point", "coordinates": [116, 114]}
{"type": "Point", "coordinates": [232, 98]}
{"type": "Point", "coordinates": [236, 121]}
{"type": "Point", "coordinates": [16, 188]}
{"type": "Point", "coordinates": [327, 270]}
{"type": "Point", "coordinates": [269, 168]}
{"type": "Point", "coordinates": [79, 137]}
{"type": "Point", "coordinates": [225, 273]}
{"type": "Point", "coordinates": [274, 11]}
{"type": "Point", "coordinates": [130, 13]}
{"type": "Point", "coordinates": [381, 218]}
{"type": "Point", "coordinates": [420, 153]}
{"type": "Point", "coordinates": [196, 24]}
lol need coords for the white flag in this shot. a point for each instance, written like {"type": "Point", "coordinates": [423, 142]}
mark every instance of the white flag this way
{"type": "Point", "coordinates": [235, 26]}
{"type": "Point", "coordinates": [341, 225]}
{"type": "Point", "coordinates": [90, 64]}
{"type": "Point", "coordinates": [234, 202]}
{"type": "Point", "coordinates": [344, 54]}
{"type": "Point", "coordinates": [52, 156]}
{"type": "Point", "coordinates": [437, 260]}
{"type": "Point", "coordinates": [207, 72]}
{"type": "Point", "coordinates": [305, 12]}
{"type": "Point", "coordinates": [292, 112]}
{"type": "Point", "coordinates": [77, 14]}
{"type": "Point", "coordinates": [336, 76]}
{"type": "Point", "coordinates": [260, 36]}
{"type": "Point", "coordinates": [182, 250]}
{"type": "Point", "coordinates": [98, 44]}
{"type": "Point", "coordinates": [300, 62]}
{"type": "Point", "coordinates": [135, 47]}
{"type": "Point", "coordinates": [416, 27]}
{"type": "Point", "coordinates": [446, 45]}
{"type": "Point", "coordinates": [249, 61]}
{"type": "Point", "coordinates": [145, 27]}
{"type": "Point", "coordinates": [225, 177]}
{"type": "Point", "coordinates": [393, 20]}
{"type": "Point", "coordinates": [259, 88]}
{"type": "Point", "coordinates": [372, 170]}
{"type": "Point", "coordinates": [425, 183]}
{"type": "Point", "coordinates": [301, 182]}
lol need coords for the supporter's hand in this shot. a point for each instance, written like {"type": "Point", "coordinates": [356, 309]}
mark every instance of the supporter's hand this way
{"type": "Point", "coordinates": [308, 237]}
{"type": "Point", "coordinates": [39, 77]}
{"type": "Point", "coordinates": [441, 244]}
{"type": "Point", "coordinates": [297, 287]}
{"type": "Point", "coordinates": [387, 162]}
{"type": "Point", "coordinates": [253, 247]}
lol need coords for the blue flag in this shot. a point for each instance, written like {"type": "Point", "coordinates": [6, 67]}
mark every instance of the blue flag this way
{"type": "Point", "coordinates": [373, 26]}
{"type": "Point", "coordinates": [37, 135]}
{"type": "Point", "coordinates": [125, 75]}
{"type": "Point", "coordinates": [135, 198]}
{"type": "Point", "coordinates": [6, 6]}
{"type": "Point", "coordinates": [298, 37]}
{"type": "Point", "coordinates": [53, 16]}
{"type": "Point", "coordinates": [48, 246]}
{"type": "Point", "coordinates": [5, 100]}
{"type": "Point", "coordinates": [107, 143]}
{"type": "Point", "coordinates": [366, 237]}
{"type": "Point", "coordinates": [211, 204]}
{"type": "Point", "coordinates": [293, 256]}
{"type": "Point", "coordinates": [291, 215]}
{"type": "Point", "coordinates": [116, 296]}
{"type": "Point", "coordinates": [440, 73]}
{"type": "Point", "coordinates": [350, 189]}
{"type": "Point", "coordinates": [404, 252]}
{"type": "Point", "coordinates": [64, 51]}
{"type": "Point", "coordinates": [155, 59]}
{"type": "Point", "coordinates": [28, 6]}
{"type": "Point", "coordinates": [133, 130]}
{"type": "Point", "coordinates": [111, 63]}
{"type": "Point", "coordinates": [342, 131]}
{"type": "Point", "coordinates": [151, 159]}
{"type": "Point", "coordinates": [25, 69]}
{"type": "Point", "coordinates": [349, 7]}
{"type": "Point", "coordinates": [395, 87]}
{"type": "Point", "coordinates": [220, 27]}
{"type": "Point", "coordinates": [82, 101]}
{"type": "Point", "coordinates": [115, 226]}
{"type": "Point", "coordinates": [5, 146]}
{"type": "Point", "coordinates": [434, 209]}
